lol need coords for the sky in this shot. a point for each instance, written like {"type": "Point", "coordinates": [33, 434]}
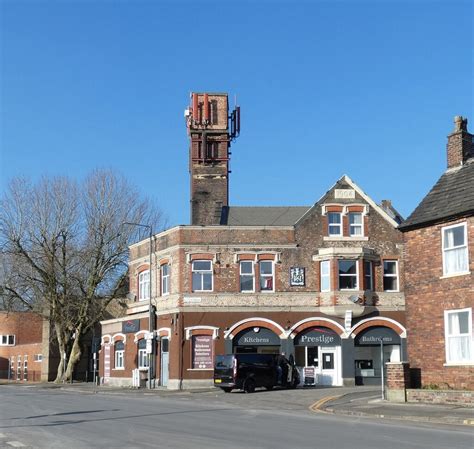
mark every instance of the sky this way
{"type": "Point", "coordinates": [326, 88]}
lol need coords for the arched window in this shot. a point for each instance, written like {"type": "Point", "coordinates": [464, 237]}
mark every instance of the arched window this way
{"type": "Point", "coordinates": [144, 285]}
{"type": "Point", "coordinates": [142, 355]}
{"type": "Point", "coordinates": [119, 355]}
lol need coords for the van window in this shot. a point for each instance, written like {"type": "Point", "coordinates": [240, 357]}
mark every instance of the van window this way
{"type": "Point", "coordinates": [224, 361]}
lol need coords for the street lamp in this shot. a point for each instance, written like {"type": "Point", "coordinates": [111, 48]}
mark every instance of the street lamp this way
{"type": "Point", "coordinates": [150, 311]}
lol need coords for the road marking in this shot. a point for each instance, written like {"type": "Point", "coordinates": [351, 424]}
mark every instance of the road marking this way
{"type": "Point", "coordinates": [15, 444]}
{"type": "Point", "coordinates": [316, 407]}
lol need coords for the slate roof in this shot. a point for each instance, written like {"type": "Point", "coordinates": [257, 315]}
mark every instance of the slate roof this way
{"type": "Point", "coordinates": [262, 216]}
{"type": "Point", "coordinates": [451, 196]}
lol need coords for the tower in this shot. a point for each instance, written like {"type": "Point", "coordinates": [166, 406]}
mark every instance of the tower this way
{"type": "Point", "coordinates": [208, 122]}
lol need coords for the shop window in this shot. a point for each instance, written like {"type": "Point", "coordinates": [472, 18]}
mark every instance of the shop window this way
{"type": "Point", "coordinates": [165, 279]}
{"type": "Point", "coordinates": [368, 276]}
{"type": "Point", "coordinates": [247, 276]}
{"type": "Point", "coordinates": [119, 355]}
{"type": "Point", "coordinates": [458, 333]}
{"type": "Point", "coordinates": [348, 275]}
{"type": "Point", "coordinates": [202, 276]}
{"type": "Point", "coordinates": [325, 275]}
{"type": "Point", "coordinates": [266, 276]}
{"type": "Point", "coordinates": [455, 253]}
{"type": "Point", "coordinates": [390, 276]}
{"type": "Point", "coordinates": [355, 224]}
{"type": "Point", "coordinates": [7, 340]}
{"type": "Point", "coordinates": [142, 355]}
{"type": "Point", "coordinates": [334, 224]}
{"type": "Point", "coordinates": [144, 285]}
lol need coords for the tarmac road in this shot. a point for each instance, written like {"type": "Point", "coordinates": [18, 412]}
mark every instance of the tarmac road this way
{"type": "Point", "coordinates": [54, 418]}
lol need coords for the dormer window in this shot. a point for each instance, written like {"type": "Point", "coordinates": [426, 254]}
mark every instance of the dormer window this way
{"type": "Point", "coordinates": [334, 223]}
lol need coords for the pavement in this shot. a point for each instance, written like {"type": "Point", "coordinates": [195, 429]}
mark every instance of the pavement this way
{"type": "Point", "coordinates": [365, 402]}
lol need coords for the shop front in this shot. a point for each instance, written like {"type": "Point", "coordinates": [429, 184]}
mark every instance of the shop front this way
{"type": "Point", "coordinates": [318, 356]}
{"type": "Point", "coordinates": [256, 340]}
{"type": "Point", "coordinates": [373, 347]}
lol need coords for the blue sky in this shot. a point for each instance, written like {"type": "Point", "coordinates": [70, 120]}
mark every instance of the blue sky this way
{"type": "Point", "coordinates": [363, 88]}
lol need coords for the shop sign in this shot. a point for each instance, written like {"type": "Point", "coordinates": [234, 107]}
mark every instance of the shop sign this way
{"type": "Point", "coordinates": [374, 335]}
{"type": "Point", "coordinates": [297, 276]}
{"type": "Point", "coordinates": [130, 326]}
{"type": "Point", "coordinates": [257, 336]}
{"type": "Point", "coordinates": [202, 352]}
{"type": "Point", "coordinates": [107, 361]}
{"type": "Point", "coordinates": [318, 336]}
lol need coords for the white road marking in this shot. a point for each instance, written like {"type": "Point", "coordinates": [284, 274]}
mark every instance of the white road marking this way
{"type": "Point", "coordinates": [15, 444]}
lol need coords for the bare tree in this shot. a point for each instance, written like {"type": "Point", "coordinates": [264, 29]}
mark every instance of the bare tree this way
{"type": "Point", "coordinates": [64, 251]}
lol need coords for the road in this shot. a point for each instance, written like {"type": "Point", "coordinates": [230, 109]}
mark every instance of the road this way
{"type": "Point", "coordinates": [53, 418]}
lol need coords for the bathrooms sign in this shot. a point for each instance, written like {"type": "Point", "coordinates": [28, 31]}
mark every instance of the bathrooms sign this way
{"type": "Point", "coordinates": [374, 335]}
{"type": "Point", "coordinates": [318, 336]}
{"type": "Point", "coordinates": [257, 336]}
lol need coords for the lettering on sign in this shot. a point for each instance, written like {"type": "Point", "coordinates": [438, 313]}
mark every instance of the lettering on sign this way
{"type": "Point", "coordinates": [344, 193]}
{"type": "Point", "coordinates": [256, 340]}
{"type": "Point", "coordinates": [326, 339]}
{"type": "Point", "coordinates": [192, 300]}
{"type": "Point", "coordinates": [202, 352]}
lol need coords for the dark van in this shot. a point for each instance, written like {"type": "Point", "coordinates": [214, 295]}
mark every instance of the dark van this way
{"type": "Point", "coordinates": [249, 371]}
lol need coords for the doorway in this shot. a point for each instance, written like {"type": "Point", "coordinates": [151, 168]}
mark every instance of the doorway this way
{"type": "Point", "coordinates": [164, 362]}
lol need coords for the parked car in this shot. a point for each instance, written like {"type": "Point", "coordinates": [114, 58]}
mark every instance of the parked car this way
{"type": "Point", "coordinates": [249, 371]}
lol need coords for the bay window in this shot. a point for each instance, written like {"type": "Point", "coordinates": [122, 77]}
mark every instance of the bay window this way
{"type": "Point", "coordinates": [325, 276]}
{"type": "Point", "coordinates": [348, 275]}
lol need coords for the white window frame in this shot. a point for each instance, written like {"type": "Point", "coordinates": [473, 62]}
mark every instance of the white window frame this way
{"type": "Point", "coordinates": [324, 275]}
{"type": "Point", "coordinates": [143, 285]}
{"type": "Point", "coordinates": [357, 225]}
{"type": "Point", "coordinates": [266, 276]}
{"type": "Point", "coordinates": [251, 262]}
{"type": "Point", "coordinates": [4, 340]}
{"type": "Point", "coordinates": [369, 275]}
{"type": "Point", "coordinates": [338, 225]}
{"type": "Point", "coordinates": [142, 357]}
{"type": "Point", "coordinates": [202, 274]}
{"type": "Point", "coordinates": [468, 336]}
{"type": "Point", "coordinates": [348, 275]}
{"type": "Point", "coordinates": [454, 248]}
{"type": "Point", "coordinates": [165, 279]}
{"type": "Point", "coordinates": [119, 358]}
{"type": "Point", "coordinates": [396, 276]}
{"type": "Point", "coordinates": [38, 358]}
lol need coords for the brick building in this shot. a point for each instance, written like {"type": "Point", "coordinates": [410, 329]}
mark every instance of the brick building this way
{"type": "Point", "coordinates": [439, 266]}
{"type": "Point", "coordinates": [322, 283]}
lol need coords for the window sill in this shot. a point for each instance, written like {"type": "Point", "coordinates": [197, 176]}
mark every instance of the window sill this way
{"type": "Point", "coordinates": [118, 369]}
{"type": "Point", "coordinates": [391, 291]}
{"type": "Point", "coordinates": [345, 239]}
{"type": "Point", "coordinates": [459, 364]}
{"type": "Point", "coordinates": [453, 275]}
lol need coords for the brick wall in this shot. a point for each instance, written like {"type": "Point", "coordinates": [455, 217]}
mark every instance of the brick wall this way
{"type": "Point", "coordinates": [461, 398]}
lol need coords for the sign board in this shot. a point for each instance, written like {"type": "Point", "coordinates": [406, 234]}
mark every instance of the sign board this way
{"type": "Point", "coordinates": [344, 193]}
{"type": "Point", "coordinates": [149, 346]}
{"type": "Point", "coordinates": [309, 374]}
{"type": "Point", "coordinates": [257, 336]}
{"type": "Point", "coordinates": [130, 326]}
{"type": "Point", "coordinates": [106, 363]}
{"type": "Point", "coordinates": [192, 300]}
{"type": "Point", "coordinates": [373, 336]}
{"type": "Point", "coordinates": [318, 336]}
{"type": "Point", "coordinates": [202, 352]}
{"type": "Point", "coordinates": [297, 277]}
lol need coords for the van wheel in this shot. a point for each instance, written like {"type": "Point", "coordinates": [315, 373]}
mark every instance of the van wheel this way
{"type": "Point", "coordinates": [227, 389]}
{"type": "Point", "coordinates": [249, 386]}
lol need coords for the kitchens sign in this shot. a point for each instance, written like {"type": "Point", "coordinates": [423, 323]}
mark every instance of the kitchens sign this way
{"type": "Point", "coordinates": [318, 336]}
{"type": "Point", "coordinates": [257, 336]}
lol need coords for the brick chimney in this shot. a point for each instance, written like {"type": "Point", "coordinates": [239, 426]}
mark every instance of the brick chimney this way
{"type": "Point", "coordinates": [460, 147]}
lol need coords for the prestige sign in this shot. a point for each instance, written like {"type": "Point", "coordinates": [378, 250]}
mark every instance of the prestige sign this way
{"type": "Point", "coordinates": [202, 352]}
{"type": "Point", "coordinates": [318, 336]}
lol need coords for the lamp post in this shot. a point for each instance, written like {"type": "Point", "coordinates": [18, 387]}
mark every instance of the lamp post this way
{"type": "Point", "coordinates": [150, 311]}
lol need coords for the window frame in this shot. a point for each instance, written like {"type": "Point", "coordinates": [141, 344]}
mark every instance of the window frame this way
{"type": "Point", "coordinates": [252, 274]}
{"type": "Point", "coordinates": [266, 276]}
{"type": "Point", "coordinates": [202, 273]}
{"type": "Point", "coordinates": [165, 279]}
{"type": "Point", "coordinates": [143, 293]}
{"type": "Point", "coordinates": [325, 275]}
{"type": "Point", "coordinates": [396, 275]}
{"type": "Point", "coordinates": [9, 340]}
{"type": "Point", "coordinates": [444, 250]}
{"type": "Point", "coordinates": [119, 356]}
{"type": "Point", "coordinates": [356, 275]}
{"type": "Point", "coordinates": [142, 355]}
{"type": "Point", "coordinates": [360, 226]}
{"type": "Point", "coordinates": [447, 337]}
{"type": "Point", "coordinates": [370, 276]}
{"type": "Point", "coordinates": [339, 225]}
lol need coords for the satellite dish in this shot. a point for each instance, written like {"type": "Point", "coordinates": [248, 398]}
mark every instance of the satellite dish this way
{"type": "Point", "coordinates": [354, 299]}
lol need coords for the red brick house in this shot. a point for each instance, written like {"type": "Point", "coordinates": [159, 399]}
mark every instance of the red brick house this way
{"type": "Point", "coordinates": [322, 283]}
{"type": "Point", "coordinates": [439, 266]}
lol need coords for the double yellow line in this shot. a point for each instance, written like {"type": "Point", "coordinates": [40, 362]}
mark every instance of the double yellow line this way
{"type": "Point", "coordinates": [318, 405]}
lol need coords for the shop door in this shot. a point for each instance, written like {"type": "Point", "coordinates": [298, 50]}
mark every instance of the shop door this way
{"type": "Point", "coordinates": [164, 362]}
{"type": "Point", "coordinates": [328, 367]}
